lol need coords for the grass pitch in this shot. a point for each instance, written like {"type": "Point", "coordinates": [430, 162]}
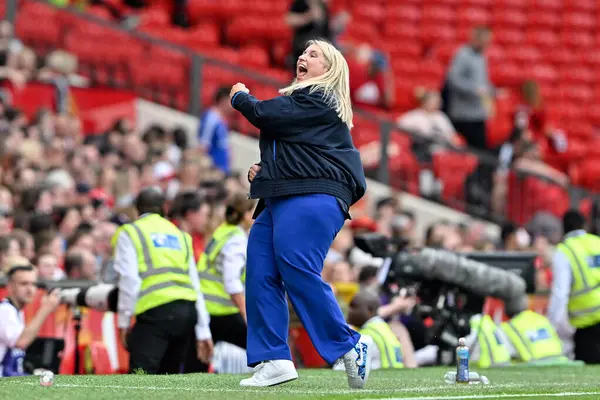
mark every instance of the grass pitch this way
{"type": "Point", "coordinates": [424, 384]}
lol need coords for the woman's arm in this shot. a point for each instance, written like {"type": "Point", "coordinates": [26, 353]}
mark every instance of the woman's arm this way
{"type": "Point", "coordinates": [285, 115]}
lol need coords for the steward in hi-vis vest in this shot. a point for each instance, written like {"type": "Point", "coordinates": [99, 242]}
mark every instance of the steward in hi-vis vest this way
{"type": "Point", "coordinates": [575, 291]}
{"type": "Point", "coordinates": [159, 285]}
{"type": "Point", "coordinates": [222, 271]}
{"type": "Point", "coordinates": [534, 338]}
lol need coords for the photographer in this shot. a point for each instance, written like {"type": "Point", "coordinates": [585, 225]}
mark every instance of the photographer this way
{"type": "Point", "coordinates": [15, 336]}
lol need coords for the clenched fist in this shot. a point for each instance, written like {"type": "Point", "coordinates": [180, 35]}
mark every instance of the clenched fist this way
{"type": "Point", "coordinates": [238, 87]}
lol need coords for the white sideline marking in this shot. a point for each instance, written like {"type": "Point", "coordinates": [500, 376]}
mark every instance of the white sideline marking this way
{"type": "Point", "coordinates": [341, 391]}
{"type": "Point", "coordinates": [497, 396]}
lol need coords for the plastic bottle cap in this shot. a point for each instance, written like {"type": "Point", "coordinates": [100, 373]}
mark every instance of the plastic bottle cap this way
{"type": "Point", "coordinates": [461, 341]}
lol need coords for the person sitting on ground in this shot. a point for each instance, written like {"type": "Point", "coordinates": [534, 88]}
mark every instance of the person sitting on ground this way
{"type": "Point", "coordinates": [391, 350]}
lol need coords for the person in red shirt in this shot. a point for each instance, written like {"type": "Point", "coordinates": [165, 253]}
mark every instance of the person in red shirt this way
{"type": "Point", "coordinates": [531, 115]}
{"type": "Point", "coordinates": [371, 79]}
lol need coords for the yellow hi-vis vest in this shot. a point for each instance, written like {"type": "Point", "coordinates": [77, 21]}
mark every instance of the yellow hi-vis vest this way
{"type": "Point", "coordinates": [493, 351]}
{"type": "Point", "coordinates": [583, 253]}
{"type": "Point", "coordinates": [218, 301]}
{"type": "Point", "coordinates": [534, 337]}
{"type": "Point", "coordinates": [163, 254]}
{"type": "Point", "coordinates": [388, 344]}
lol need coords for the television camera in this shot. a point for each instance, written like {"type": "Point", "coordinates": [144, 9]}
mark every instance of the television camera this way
{"type": "Point", "coordinates": [451, 287]}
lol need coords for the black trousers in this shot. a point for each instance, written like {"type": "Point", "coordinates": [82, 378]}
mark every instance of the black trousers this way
{"type": "Point", "coordinates": [587, 344]}
{"type": "Point", "coordinates": [474, 133]}
{"type": "Point", "coordinates": [160, 340]}
{"type": "Point", "coordinates": [227, 328]}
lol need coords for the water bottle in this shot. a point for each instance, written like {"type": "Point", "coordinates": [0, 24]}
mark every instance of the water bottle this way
{"type": "Point", "coordinates": [462, 362]}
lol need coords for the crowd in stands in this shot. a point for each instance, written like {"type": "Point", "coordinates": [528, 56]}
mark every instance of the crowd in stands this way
{"type": "Point", "coordinates": [516, 119]}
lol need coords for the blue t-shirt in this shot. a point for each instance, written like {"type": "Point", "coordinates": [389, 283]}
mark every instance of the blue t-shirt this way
{"type": "Point", "coordinates": [214, 135]}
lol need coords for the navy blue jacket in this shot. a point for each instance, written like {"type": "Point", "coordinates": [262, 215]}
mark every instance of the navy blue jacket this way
{"type": "Point", "coordinates": [304, 148]}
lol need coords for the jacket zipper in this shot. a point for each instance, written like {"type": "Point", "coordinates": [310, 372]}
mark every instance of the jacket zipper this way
{"type": "Point", "coordinates": [274, 150]}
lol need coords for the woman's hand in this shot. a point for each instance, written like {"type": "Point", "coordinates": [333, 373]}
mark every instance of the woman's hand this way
{"type": "Point", "coordinates": [238, 87]}
{"type": "Point", "coordinates": [252, 172]}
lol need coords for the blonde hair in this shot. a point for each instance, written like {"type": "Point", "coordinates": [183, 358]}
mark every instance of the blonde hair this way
{"type": "Point", "coordinates": [334, 83]}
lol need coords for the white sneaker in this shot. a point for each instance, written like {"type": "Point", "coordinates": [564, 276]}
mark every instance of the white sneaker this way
{"type": "Point", "coordinates": [271, 373]}
{"type": "Point", "coordinates": [358, 363]}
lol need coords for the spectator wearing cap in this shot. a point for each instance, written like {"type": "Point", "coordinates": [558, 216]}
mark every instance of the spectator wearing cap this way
{"type": "Point", "coordinates": [164, 173]}
{"type": "Point", "coordinates": [213, 134]}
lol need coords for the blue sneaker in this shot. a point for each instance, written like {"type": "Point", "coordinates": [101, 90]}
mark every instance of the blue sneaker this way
{"type": "Point", "coordinates": [357, 363]}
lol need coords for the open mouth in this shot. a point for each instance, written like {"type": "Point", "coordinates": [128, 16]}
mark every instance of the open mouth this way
{"type": "Point", "coordinates": [301, 70]}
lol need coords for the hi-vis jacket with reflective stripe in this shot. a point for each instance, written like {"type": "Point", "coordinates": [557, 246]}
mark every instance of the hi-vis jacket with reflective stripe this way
{"type": "Point", "coordinates": [493, 351]}
{"type": "Point", "coordinates": [163, 253]}
{"type": "Point", "coordinates": [583, 252]}
{"type": "Point", "coordinates": [534, 338]}
{"type": "Point", "coordinates": [218, 302]}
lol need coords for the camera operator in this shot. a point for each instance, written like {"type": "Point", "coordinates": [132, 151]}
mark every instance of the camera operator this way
{"type": "Point", "coordinates": [365, 313]}
{"type": "Point", "coordinates": [15, 336]}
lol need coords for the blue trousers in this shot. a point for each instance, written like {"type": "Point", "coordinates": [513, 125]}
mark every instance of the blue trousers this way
{"type": "Point", "coordinates": [286, 250]}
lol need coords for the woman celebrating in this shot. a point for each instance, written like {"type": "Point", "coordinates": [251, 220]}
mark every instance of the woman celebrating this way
{"type": "Point", "coordinates": [309, 175]}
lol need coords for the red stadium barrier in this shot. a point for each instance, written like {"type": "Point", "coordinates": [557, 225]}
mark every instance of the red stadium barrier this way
{"type": "Point", "coordinates": [98, 108]}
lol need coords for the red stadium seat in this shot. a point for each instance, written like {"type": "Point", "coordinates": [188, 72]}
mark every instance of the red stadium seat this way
{"type": "Point", "coordinates": [578, 40]}
{"type": "Point", "coordinates": [453, 169]}
{"type": "Point", "coordinates": [509, 18]}
{"type": "Point", "coordinates": [403, 49]}
{"type": "Point", "coordinates": [394, 30]}
{"type": "Point", "coordinates": [544, 74]}
{"type": "Point", "coordinates": [545, 38]}
{"type": "Point", "coordinates": [555, 5]}
{"type": "Point", "coordinates": [474, 16]}
{"type": "Point", "coordinates": [579, 21]}
{"type": "Point", "coordinates": [514, 4]}
{"type": "Point", "coordinates": [545, 19]}
{"type": "Point", "coordinates": [582, 5]}
{"type": "Point", "coordinates": [371, 12]}
{"type": "Point", "coordinates": [509, 37]}
{"type": "Point", "coordinates": [434, 33]}
{"type": "Point", "coordinates": [523, 54]}
{"type": "Point", "coordinates": [254, 56]}
{"type": "Point", "coordinates": [434, 14]}
{"type": "Point", "coordinates": [403, 13]}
